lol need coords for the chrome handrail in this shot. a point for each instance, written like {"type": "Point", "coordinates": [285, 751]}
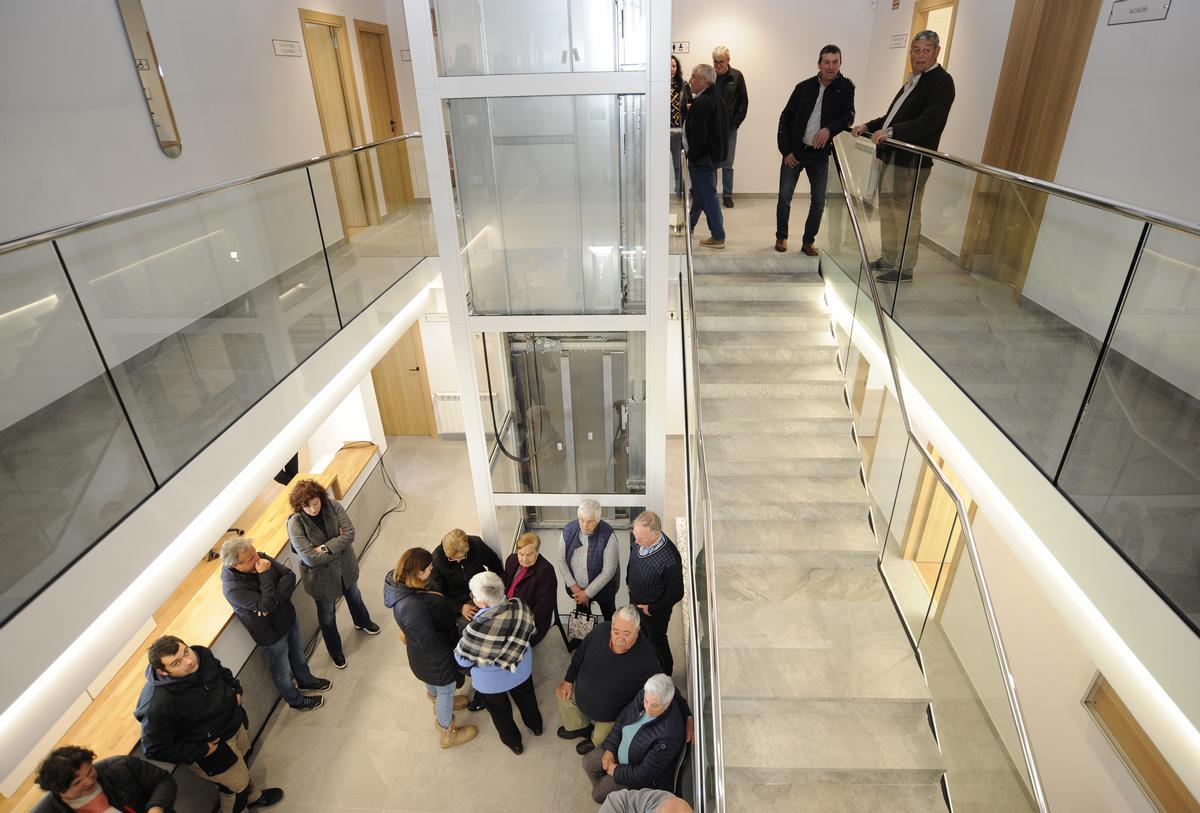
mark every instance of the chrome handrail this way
{"type": "Point", "coordinates": [709, 568]}
{"type": "Point", "coordinates": [959, 505]}
{"type": "Point", "coordinates": [183, 197]}
{"type": "Point", "coordinates": [1058, 190]}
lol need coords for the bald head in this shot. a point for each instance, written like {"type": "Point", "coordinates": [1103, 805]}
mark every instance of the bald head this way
{"type": "Point", "coordinates": [674, 805]}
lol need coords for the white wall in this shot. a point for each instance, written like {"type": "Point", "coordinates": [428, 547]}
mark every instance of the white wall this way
{"type": "Point", "coordinates": [77, 140]}
{"type": "Point", "coordinates": [775, 44]}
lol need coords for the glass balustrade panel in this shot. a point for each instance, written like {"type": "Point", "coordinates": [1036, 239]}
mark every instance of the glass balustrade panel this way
{"type": "Point", "coordinates": [1134, 466]}
{"type": "Point", "coordinates": [201, 308]}
{"type": "Point", "coordinates": [69, 463]}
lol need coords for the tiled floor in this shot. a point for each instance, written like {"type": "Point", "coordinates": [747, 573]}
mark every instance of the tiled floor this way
{"type": "Point", "coordinates": [373, 746]}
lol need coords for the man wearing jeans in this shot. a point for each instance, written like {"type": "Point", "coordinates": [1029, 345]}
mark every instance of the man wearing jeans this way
{"type": "Point", "coordinates": [704, 137]}
{"type": "Point", "coordinates": [820, 107]}
{"type": "Point", "coordinates": [260, 591]}
{"type": "Point", "coordinates": [731, 88]}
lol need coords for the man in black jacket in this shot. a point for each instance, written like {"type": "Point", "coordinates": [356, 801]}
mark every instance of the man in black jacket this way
{"type": "Point", "coordinates": [655, 579]}
{"type": "Point", "coordinates": [917, 115]}
{"type": "Point", "coordinates": [705, 134]}
{"type": "Point", "coordinates": [731, 87]}
{"type": "Point", "coordinates": [191, 714]}
{"type": "Point", "coordinates": [455, 561]}
{"type": "Point", "coordinates": [819, 108]}
{"type": "Point", "coordinates": [73, 780]}
{"type": "Point", "coordinates": [260, 591]}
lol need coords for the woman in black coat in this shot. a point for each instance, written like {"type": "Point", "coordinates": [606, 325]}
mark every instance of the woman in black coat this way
{"type": "Point", "coordinates": [529, 577]}
{"type": "Point", "coordinates": [428, 628]}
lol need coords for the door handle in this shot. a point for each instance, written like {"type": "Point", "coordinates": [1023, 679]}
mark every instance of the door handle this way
{"type": "Point", "coordinates": [414, 369]}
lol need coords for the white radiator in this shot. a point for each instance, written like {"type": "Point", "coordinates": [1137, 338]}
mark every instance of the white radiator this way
{"type": "Point", "coordinates": [447, 412]}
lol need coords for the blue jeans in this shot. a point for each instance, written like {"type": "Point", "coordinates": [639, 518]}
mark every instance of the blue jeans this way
{"type": "Point", "coordinates": [726, 166]}
{"type": "Point", "coordinates": [327, 619]}
{"type": "Point", "coordinates": [286, 660]}
{"type": "Point", "coordinates": [676, 146]}
{"type": "Point", "coordinates": [816, 166]}
{"type": "Point", "coordinates": [443, 706]}
{"type": "Point", "coordinates": [704, 198]}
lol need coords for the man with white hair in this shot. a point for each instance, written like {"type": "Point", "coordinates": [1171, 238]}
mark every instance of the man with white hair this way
{"type": "Point", "coordinates": [655, 579]}
{"type": "Point", "coordinates": [587, 563]}
{"type": "Point", "coordinates": [917, 115]}
{"type": "Point", "coordinates": [641, 749]}
{"type": "Point", "coordinates": [496, 646]}
{"type": "Point", "coordinates": [731, 88]}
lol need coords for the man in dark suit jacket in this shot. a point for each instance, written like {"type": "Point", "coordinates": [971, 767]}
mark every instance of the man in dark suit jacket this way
{"type": "Point", "coordinates": [917, 115]}
{"type": "Point", "coordinates": [705, 134]}
{"type": "Point", "coordinates": [820, 107]}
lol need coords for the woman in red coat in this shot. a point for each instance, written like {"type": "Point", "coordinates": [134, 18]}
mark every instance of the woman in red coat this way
{"type": "Point", "coordinates": [532, 579]}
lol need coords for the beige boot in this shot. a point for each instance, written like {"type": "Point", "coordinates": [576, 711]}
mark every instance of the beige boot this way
{"type": "Point", "coordinates": [454, 735]}
{"type": "Point", "coordinates": [460, 701]}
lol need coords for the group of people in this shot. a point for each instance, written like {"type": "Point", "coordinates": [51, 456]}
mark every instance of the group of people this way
{"type": "Point", "coordinates": [460, 613]}
{"type": "Point", "coordinates": [709, 107]}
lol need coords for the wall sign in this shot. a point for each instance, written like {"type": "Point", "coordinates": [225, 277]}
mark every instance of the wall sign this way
{"type": "Point", "coordinates": [895, 5]}
{"type": "Point", "coordinates": [286, 48]}
{"type": "Point", "coordinates": [680, 47]}
{"type": "Point", "coordinates": [897, 40]}
{"type": "Point", "coordinates": [1138, 11]}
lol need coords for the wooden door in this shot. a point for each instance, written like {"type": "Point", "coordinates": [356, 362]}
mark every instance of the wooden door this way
{"type": "Point", "coordinates": [383, 108]}
{"type": "Point", "coordinates": [332, 70]}
{"type": "Point", "coordinates": [933, 539]}
{"type": "Point", "coordinates": [402, 388]}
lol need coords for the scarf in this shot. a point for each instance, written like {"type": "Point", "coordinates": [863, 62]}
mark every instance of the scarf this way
{"type": "Point", "coordinates": [500, 638]}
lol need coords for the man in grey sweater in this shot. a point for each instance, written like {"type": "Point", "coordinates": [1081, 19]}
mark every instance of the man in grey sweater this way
{"type": "Point", "coordinates": [587, 560]}
{"type": "Point", "coordinates": [646, 800]}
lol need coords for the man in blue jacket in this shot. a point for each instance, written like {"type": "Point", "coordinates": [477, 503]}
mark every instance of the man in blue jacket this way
{"type": "Point", "coordinates": [820, 107]}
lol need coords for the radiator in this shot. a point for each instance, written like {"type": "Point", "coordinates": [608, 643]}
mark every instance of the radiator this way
{"type": "Point", "coordinates": [447, 412]}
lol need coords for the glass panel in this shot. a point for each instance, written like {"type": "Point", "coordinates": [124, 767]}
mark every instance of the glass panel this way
{"type": "Point", "coordinates": [1011, 295]}
{"type": "Point", "coordinates": [914, 545]}
{"type": "Point", "coordinates": [368, 255]}
{"type": "Point", "coordinates": [552, 203]}
{"type": "Point", "coordinates": [477, 37]}
{"type": "Point", "coordinates": [579, 419]}
{"type": "Point", "coordinates": [1134, 466]}
{"type": "Point", "coordinates": [203, 307]}
{"type": "Point", "coordinates": [69, 465]}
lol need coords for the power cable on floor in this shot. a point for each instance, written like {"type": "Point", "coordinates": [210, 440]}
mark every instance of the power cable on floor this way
{"type": "Point", "coordinates": [399, 507]}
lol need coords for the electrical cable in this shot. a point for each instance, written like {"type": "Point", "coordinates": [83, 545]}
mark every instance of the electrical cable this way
{"type": "Point", "coordinates": [487, 371]}
{"type": "Point", "coordinates": [399, 507]}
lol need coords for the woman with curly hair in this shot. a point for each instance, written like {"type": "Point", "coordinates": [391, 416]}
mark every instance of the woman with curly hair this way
{"type": "Point", "coordinates": [323, 538]}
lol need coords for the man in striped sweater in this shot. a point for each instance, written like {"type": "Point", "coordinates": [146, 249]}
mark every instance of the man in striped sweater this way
{"type": "Point", "coordinates": [655, 580]}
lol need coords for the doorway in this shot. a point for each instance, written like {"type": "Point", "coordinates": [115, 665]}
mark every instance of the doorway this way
{"type": "Point", "coordinates": [402, 388]}
{"type": "Point", "coordinates": [937, 16]}
{"type": "Point", "coordinates": [383, 109]}
{"type": "Point", "coordinates": [328, 47]}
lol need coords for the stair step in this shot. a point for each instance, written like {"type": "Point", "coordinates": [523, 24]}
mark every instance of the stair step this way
{"type": "Point", "coordinates": [825, 372]}
{"type": "Point", "coordinates": [779, 351]}
{"type": "Point", "coordinates": [766, 338]}
{"type": "Point", "coordinates": [798, 742]}
{"type": "Point", "coordinates": [834, 798]}
{"type": "Point", "coordinates": [741, 540]}
{"type": "Point", "coordinates": [767, 448]}
{"type": "Point", "coordinates": [773, 584]}
{"type": "Point", "coordinates": [789, 427]}
{"type": "Point", "coordinates": [750, 411]}
{"type": "Point", "coordinates": [837, 467]}
{"type": "Point", "coordinates": [834, 625]}
{"type": "Point", "coordinates": [787, 492]}
{"type": "Point", "coordinates": [770, 322]}
{"type": "Point", "coordinates": [867, 675]}
{"type": "Point", "coordinates": [823, 390]}
{"type": "Point", "coordinates": [736, 292]}
{"type": "Point", "coordinates": [792, 264]}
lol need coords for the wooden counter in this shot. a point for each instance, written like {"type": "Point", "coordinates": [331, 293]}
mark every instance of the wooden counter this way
{"type": "Point", "coordinates": [196, 612]}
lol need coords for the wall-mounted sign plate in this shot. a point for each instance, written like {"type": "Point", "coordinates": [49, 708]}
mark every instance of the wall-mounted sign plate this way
{"type": "Point", "coordinates": [897, 40]}
{"type": "Point", "coordinates": [1138, 11]}
{"type": "Point", "coordinates": [287, 48]}
{"type": "Point", "coordinates": [680, 47]}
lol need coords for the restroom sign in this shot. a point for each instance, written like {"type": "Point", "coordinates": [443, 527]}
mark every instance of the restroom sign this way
{"type": "Point", "coordinates": [680, 47]}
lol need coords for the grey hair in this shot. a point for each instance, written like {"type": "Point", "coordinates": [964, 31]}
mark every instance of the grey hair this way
{"type": "Point", "coordinates": [487, 587]}
{"type": "Point", "coordinates": [631, 614]}
{"type": "Point", "coordinates": [660, 686]}
{"type": "Point", "coordinates": [707, 72]}
{"type": "Point", "coordinates": [720, 51]}
{"type": "Point", "coordinates": [650, 521]}
{"type": "Point", "coordinates": [929, 35]}
{"type": "Point", "coordinates": [589, 509]}
{"type": "Point", "coordinates": [233, 549]}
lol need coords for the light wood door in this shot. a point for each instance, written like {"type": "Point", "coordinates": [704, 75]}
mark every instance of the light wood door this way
{"type": "Point", "coordinates": [383, 108]}
{"type": "Point", "coordinates": [933, 540]}
{"type": "Point", "coordinates": [332, 70]}
{"type": "Point", "coordinates": [402, 388]}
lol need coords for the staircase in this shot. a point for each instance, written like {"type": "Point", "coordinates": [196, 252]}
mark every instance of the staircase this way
{"type": "Point", "coordinates": [823, 704]}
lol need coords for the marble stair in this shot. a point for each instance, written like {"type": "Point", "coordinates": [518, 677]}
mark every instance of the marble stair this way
{"type": "Point", "coordinates": [823, 704]}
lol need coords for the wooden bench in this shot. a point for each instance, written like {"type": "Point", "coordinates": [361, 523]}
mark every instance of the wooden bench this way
{"type": "Point", "coordinates": [196, 612]}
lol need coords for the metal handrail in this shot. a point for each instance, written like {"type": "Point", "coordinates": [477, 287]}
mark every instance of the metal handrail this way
{"type": "Point", "coordinates": [959, 505]}
{"type": "Point", "coordinates": [709, 568]}
{"type": "Point", "coordinates": [183, 197]}
{"type": "Point", "coordinates": [1088, 198]}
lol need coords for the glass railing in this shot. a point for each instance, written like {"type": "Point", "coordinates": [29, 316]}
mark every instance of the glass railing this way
{"type": "Point", "coordinates": [708, 778]}
{"type": "Point", "coordinates": [488, 37]}
{"type": "Point", "coordinates": [921, 513]}
{"type": "Point", "coordinates": [1069, 319]}
{"type": "Point", "coordinates": [134, 339]}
